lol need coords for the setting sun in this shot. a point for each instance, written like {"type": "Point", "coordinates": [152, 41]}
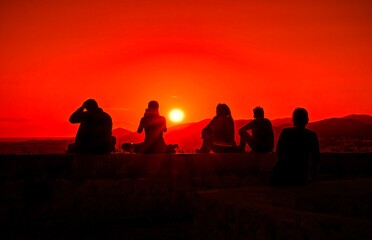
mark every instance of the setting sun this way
{"type": "Point", "coordinates": [176, 115]}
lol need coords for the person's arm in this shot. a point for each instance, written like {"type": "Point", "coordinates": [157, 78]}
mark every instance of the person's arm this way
{"type": "Point", "coordinates": [271, 132]}
{"type": "Point", "coordinates": [280, 146]}
{"type": "Point", "coordinates": [315, 156]}
{"type": "Point", "coordinates": [164, 128]}
{"type": "Point", "coordinates": [209, 127]}
{"type": "Point", "coordinates": [140, 127]}
{"type": "Point", "coordinates": [78, 115]}
{"type": "Point", "coordinates": [245, 128]}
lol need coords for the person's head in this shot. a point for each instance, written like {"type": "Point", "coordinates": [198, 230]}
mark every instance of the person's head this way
{"type": "Point", "coordinates": [258, 112]}
{"type": "Point", "coordinates": [91, 104]}
{"type": "Point", "coordinates": [223, 110]}
{"type": "Point", "coordinates": [300, 117]}
{"type": "Point", "coordinates": [153, 105]}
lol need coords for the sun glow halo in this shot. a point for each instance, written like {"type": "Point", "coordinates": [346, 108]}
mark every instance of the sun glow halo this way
{"type": "Point", "coordinates": [176, 115]}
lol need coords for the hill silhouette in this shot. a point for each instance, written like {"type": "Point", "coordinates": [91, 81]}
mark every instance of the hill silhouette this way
{"type": "Point", "coordinates": [352, 133]}
{"type": "Point", "coordinates": [341, 127]}
{"type": "Point", "coordinates": [120, 132]}
{"type": "Point", "coordinates": [281, 121]}
{"type": "Point", "coordinates": [188, 135]}
{"type": "Point", "coordinates": [360, 117]}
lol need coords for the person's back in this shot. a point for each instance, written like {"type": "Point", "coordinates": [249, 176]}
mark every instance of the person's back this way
{"type": "Point", "coordinates": [154, 126]}
{"type": "Point", "coordinates": [223, 131]}
{"type": "Point", "coordinates": [95, 131]}
{"type": "Point", "coordinates": [294, 150]}
{"type": "Point", "coordinates": [218, 135]}
{"type": "Point", "coordinates": [296, 147]}
{"type": "Point", "coordinates": [262, 132]}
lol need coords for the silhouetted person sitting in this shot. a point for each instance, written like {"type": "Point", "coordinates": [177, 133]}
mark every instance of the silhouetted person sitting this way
{"type": "Point", "coordinates": [218, 135]}
{"type": "Point", "coordinates": [296, 147]}
{"type": "Point", "coordinates": [94, 135]}
{"type": "Point", "coordinates": [262, 138]}
{"type": "Point", "coordinates": [154, 126]}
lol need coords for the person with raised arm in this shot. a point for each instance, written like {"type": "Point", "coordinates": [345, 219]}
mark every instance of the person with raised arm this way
{"type": "Point", "coordinates": [94, 135]}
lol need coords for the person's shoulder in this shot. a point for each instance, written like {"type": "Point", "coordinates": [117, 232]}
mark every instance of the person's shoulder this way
{"type": "Point", "coordinates": [226, 118]}
{"type": "Point", "coordinates": [289, 130]}
{"type": "Point", "coordinates": [215, 118]}
{"type": "Point", "coordinates": [311, 133]}
{"type": "Point", "coordinates": [105, 114]}
{"type": "Point", "coordinates": [266, 120]}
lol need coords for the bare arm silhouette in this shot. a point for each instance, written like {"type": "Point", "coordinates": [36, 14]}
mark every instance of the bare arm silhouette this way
{"type": "Point", "coordinates": [315, 155]}
{"type": "Point", "coordinates": [245, 128]}
{"type": "Point", "coordinates": [164, 127]}
{"type": "Point", "coordinates": [78, 115]}
{"type": "Point", "coordinates": [140, 127]}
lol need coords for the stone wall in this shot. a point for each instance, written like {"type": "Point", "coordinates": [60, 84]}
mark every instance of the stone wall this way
{"type": "Point", "coordinates": [326, 210]}
{"type": "Point", "coordinates": [75, 189]}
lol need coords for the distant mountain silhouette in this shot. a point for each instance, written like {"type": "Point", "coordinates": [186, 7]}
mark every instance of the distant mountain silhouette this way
{"type": "Point", "coordinates": [281, 121]}
{"type": "Point", "coordinates": [240, 123]}
{"type": "Point", "coordinates": [276, 122]}
{"type": "Point", "coordinates": [131, 137]}
{"type": "Point", "coordinates": [352, 133]}
{"type": "Point", "coordinates": [360, 117]}
{"type": "Point", "coordinates": [120, 132]}
{"type": "Point", "coordinates": [188, 135]}
{"type": "Point", "coordinates": [341, 127]}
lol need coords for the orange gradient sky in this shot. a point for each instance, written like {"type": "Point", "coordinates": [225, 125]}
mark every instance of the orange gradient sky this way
{"type": "Point", "coordinates": [190, 55]}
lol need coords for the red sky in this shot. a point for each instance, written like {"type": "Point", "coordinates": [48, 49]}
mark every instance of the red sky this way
{"type": "Point", "coordinates": [186, 54]}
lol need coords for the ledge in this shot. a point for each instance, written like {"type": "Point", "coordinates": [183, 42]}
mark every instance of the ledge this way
{"type": "Point", "coordinates": [326, 210]}
{"type": "Point", "coordinates": [116, 166]}
{"type": "Point", "coordinates": [75, 189]}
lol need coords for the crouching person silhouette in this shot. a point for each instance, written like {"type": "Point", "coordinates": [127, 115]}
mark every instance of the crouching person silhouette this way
{"type": "Point", "coordinates": [218, 135]}
{"type": "Point", "coordinates": [154, 126]}
{"type": "Point", "coordinates": [262, 138]}
{"type": "Point", "coordinates": [94, 135]}
{"type": "Point", "coordinates": [296, 147]}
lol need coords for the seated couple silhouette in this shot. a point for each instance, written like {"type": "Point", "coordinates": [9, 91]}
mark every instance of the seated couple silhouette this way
{"type": "Point", "coordinates": [218, 135]}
